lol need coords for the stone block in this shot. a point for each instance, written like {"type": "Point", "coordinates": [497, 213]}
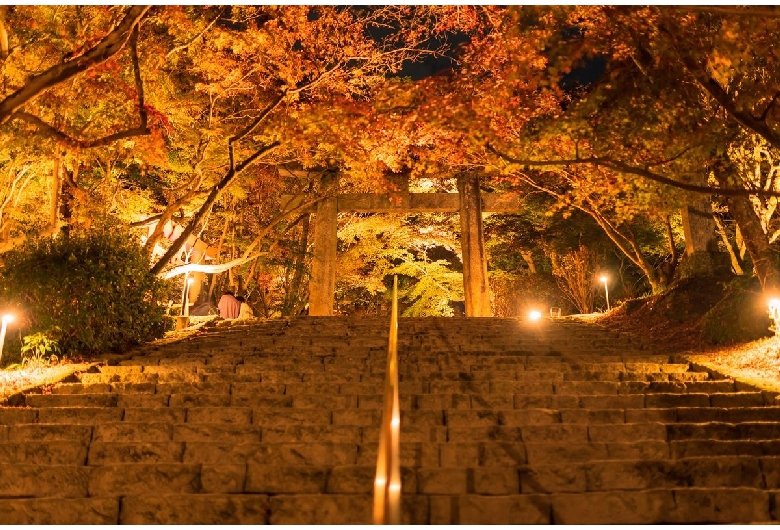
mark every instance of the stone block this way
{"type": "Point", "coordinates": [359, 389]}
{"type": "Point", "coordinates": [205, 387]}
{"type": "Point", "coordinates": [70, 400]}
{"type": "Point", "coordinates": [553, 478]}
{"type": "Point", "coordinates": [422, 402]}
{"type": "Point", "coordinates": [80, 416]}
{"type": "Point", "coordinates": [712, 472]}
{"type": "Point", "coordinates": [142, 400]}
{"type": "Point", "coordinates": [430, 418]}
{"type": "Point", "coordinates": [155, 415]}
{"type": "Point", "coordinates": [194, 509]}
{"type": "Point", "coordinates": [587, 388]}
{"type": "Point", "coordinates": [703, 431]}
{"type": "Point", "coordinates": [313, 454]}
{"type": "Point", "coordinates": [286, 479]}
{"type": "Point", "coordinates": [647, 450]}
{"type": "Point", "coordinates": [444, 509]}
{"type": "Point", "coordinates": [720, 506]}
{"type": "Point", "coordinates": [105, 453]}
{"type": "Point", "coordinates": [357, 417]}
{"type": "Point", "coordinates": [290, 416]}
{"type": "Point", "coordinates": [601, 416]}
{"type": "Point", "coordinates": [460, 387]}
{"type": "Point", "coordinates": [313, 433]}
{"type": "Point", "coordinates": [223, 478]}
{"type": "Point", "coordinates": [234, 415]}
{"type": "Point", "coordinates": [102, 511]}
{"type": "Point", "coordinates": [140, 479]}
{"type": "Point", "coordinates": [43, 453]}
{"type": "Point", "coordinates": [12, 416]}
{"type": "Point", "coordinates": [27, 480]}
{"type": "Point", "coordinates": [503, 480]}
{"type": "Point", "coordinates": [506, 509]}
{"type": "Point", "coordinates": [558, 433]}
{"type": "Point", "coordinates": [133, 432]}
{"type": "Point", "coordinates": [356, 479]}
{"type": "Point", "coordinates": [269, 401]}
{"type": "Point", "coordinates": [49, 432]}
{"type": "Point", "coordinates": [753, 414]}
{"type": "Point", "coordinates": [133, 388]}
{"type": "Point", "coordinates": [693, 448]}
{"type": "Point", "coordinates": [459, 454]}
{"type": "Point", "coordinates": [496, 454]}
{"type": "Point", "coordinates": [737, 399]}
{"type": "Point", "coordinates": [309, 401]}
{"type": "Point", "coordinates": [521, 387]}
{"type": "Point", "coordinates": [201, 400]}
{"type": "Point", "coordinates": [627, 432]}
{"type": "Point", "coordinates": [524, 401]}
{"type": "Point", "coordinates": [79, 388]}
{"type": "Point", "coordinates": [653, 415]}
{"type": "Point", "coordinates": [489, 401]}
{"type": "Point", "coordinates": [555, 453]}
{"type": "Point", "coordinates": [320, 509]}
{"type": "Point", "coordinates": [618, 507]}
{"type": "Point", "coordinates": [471, 418]}
{"type": "Point", "coordinates": [623, 401]}
{"type": "Point", "coordinates": [484, 434]}
{"type": "Point", "coordinates": [217, 432]}
{"type": "Point", "coordinates": [442, 481]}
{"type": "Point", "coordinates": [662, 400]}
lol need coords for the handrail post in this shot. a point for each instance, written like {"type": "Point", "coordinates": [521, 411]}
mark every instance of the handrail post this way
{"type": "Point", "coordinates": [387, 484]}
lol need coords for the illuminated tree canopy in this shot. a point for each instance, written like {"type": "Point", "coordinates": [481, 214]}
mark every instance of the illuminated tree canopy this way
{"type": "Point", "coordinates": [188, 125]}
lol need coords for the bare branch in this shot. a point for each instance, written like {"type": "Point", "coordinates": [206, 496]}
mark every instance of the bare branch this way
{"type": "Point", "coordinates": [196, 37]}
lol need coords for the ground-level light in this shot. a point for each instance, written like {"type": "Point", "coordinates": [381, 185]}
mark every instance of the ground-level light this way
{"type": "Point", "coordinates": [774, 313]}
{"type": "Point", "coordinates": [534, 315]}
{"type": "Point", "coordinates": [7, 319]}
{"type": "Point", "coordinates": [606, 290]}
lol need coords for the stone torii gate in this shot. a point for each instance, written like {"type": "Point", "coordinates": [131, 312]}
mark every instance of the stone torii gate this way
{"type": "Point", "coordinates": [469, 202]}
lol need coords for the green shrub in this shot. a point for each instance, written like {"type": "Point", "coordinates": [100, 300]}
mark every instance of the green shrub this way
{"type": "Point", "coordinates": [37, 349]}
{"type": "Point", "coordinates": [90, 292]}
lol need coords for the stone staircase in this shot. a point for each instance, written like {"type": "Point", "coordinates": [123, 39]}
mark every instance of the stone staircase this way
{"type": "Point", "coordinates": [503, 421]}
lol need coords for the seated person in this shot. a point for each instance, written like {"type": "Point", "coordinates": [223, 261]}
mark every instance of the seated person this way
{"type": "Point", "coordinates": [229, 307]}
{"type": "Point", "coordinates": [245, 311]}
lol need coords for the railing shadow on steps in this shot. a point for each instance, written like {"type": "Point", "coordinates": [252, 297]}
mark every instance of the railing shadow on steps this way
{"type": "Point", "coordinates": [387, 484]}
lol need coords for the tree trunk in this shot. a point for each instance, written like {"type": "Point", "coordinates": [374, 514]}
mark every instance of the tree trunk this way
{"type": "Point", "coordinates": [764, 257]}
{"type": "Point", "coordinates": [292, 303]}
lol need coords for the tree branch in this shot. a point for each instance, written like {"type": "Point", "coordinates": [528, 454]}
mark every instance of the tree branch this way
{"type": "Point", "coordinates": [214, 194]}
{"type": "Point", "coordinates": [633, 170]}
{"type": "Point", "coordinates": [141, 130]}
{"type": "Point", "coordinates": [196, 37]}
{"type": "Point", "coordinates": [713, 88]}
{"type": "Point", "coordinates": [111, 44]}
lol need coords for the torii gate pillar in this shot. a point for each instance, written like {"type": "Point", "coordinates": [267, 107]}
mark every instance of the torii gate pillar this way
{"type": "Point", "coordinates": [322, 285]}
{"type": "Point", "coordinates": [472, 241]}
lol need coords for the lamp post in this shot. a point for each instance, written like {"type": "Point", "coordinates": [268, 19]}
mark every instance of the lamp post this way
{"type": "Point", "coordinates": [6, 320]}
{"type": "Point", "coordinates": [606, 290]}
{"type": "Point", "coordinates": [187, 296]}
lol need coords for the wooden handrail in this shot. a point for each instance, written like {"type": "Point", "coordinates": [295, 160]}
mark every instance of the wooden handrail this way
{"type": "Point", "coordinates": [387, 484]}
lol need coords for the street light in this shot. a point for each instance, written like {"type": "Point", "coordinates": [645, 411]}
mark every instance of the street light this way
{"type": "Point", "coordinates": [606, 290]}
{"type": "Point", "coordinates": [187, 296]}
{"type": "Point", "coordinates": [534, 315]}
{"type": "Point", "coordinates": [6, 320]}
